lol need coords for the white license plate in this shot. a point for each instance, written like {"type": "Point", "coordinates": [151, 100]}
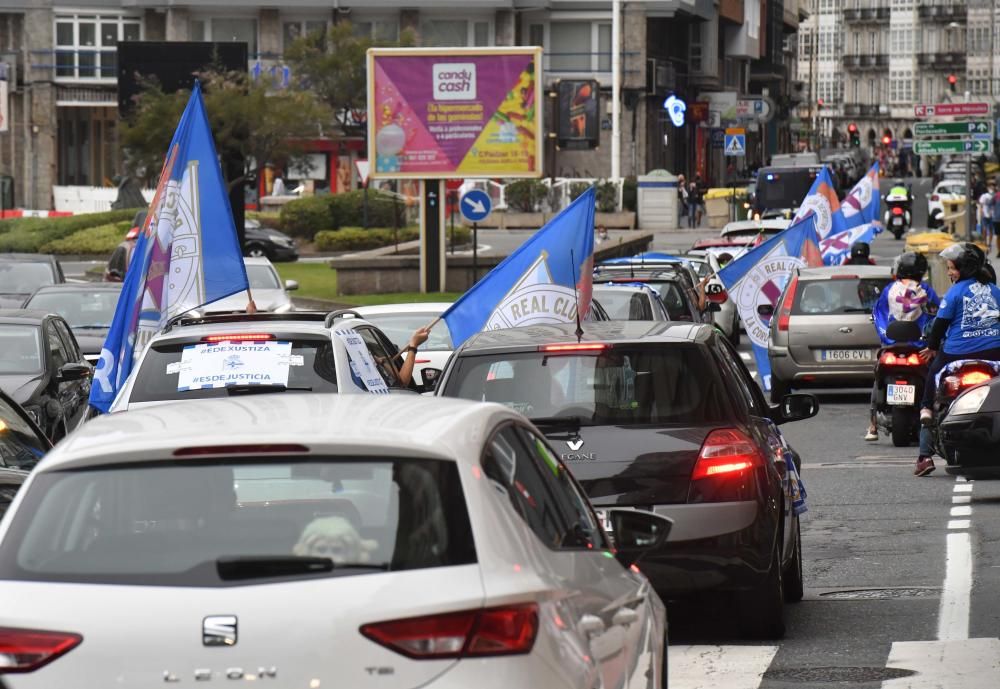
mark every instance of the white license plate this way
{"type": "Point", "coordinates": [845, 355]}
{"type": "Point", "coordinates": [602, 516]}
{"type": "Point", "coordinates": [901, 394]}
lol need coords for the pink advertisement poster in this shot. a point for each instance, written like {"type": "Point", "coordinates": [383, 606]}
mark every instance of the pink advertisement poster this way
{"type": "Point", "coordinates": [454, 113]}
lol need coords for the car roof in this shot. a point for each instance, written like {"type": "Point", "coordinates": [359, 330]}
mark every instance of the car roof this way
{"type": "Point", "coordinates": [415, 307]}
{"type": "Point", "coordinates": [387, 425]}
{"type": "Point", "coordinates": [305, 321]}
{"type": "Point", "coordinates": [624, 287]}
{"type": "Point", "coordinates": [257, 261]}
{"type": "Point", "coordinates": [28, 258]}
{"type": "Point", "coordinates": [25, 316]}
{"type": "Point", "coordinates": [828, 272]}
{"type": "Point", "coordinates": [531, 336]}
{"type": "Point", "coordinates": [81, 287]}
{"type": "Point", "coordinates": [766, 224]}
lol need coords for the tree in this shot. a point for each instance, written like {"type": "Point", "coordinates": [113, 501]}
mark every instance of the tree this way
{"type": "Point", "coordinates": [334, 66]}
{"type": "Point", "coordinates": [250, 120]}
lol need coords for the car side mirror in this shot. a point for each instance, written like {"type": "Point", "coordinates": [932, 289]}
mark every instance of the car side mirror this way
{"type": "Point", "coordinates": [713, 307]}
{"type": "Point", "coordinates": [291, 285]}
{"type": "Point", "coordinates": [636, 532]}
{"type": "Point", "coordinates": [714, 288]}
{"type": "Point", "coordinates": [795, 407]}
{"type": "Point", "coordinates": [70, 372]}
{"type": "Point", "coordinates": [431, 377]}
{"type": "Point", "coordinates": [766, 310]}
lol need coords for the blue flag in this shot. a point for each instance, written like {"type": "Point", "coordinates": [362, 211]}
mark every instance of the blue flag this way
{"type": "Point", "coordinates": [822, 202]}
{"type": "Point", "coordinates": [862, 203]}
{"type": "Point", "coordinates": [541, 282]}
{"type": "Point", "coordinates": [189, 236]}
{"type": "Point", "coordinates": [837, 247]}
{"type": "Point", "coordinates": [758, 278]}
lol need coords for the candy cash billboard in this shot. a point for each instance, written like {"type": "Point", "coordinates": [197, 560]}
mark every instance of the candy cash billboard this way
{"type": "Point", "coordinates": [435, 113]}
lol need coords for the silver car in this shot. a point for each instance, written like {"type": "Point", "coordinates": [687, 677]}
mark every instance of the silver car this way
{"type": "Point", "coordinates": [398, 321]}
{"type": "Point", "coordinates": [625, 301]}
{"type": "Point", "coordinates": [269, 292]}
{"type": "Point", "coordinates": [822, 332]}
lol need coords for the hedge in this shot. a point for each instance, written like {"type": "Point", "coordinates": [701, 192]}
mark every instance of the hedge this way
{"type": "Point", "coordinates": [308, 215]}
{"type": "Point", "coordinates": [359, 239]}
{"type": "Point", "coordinates": [31, 234]}
{"type": "Point", "coordinates": [94, 240]}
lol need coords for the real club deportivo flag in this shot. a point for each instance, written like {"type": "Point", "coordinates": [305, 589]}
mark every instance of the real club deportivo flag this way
{"type": "Point", "coordinates": [837, 247]}
{"type": "Point", "coordinates": [861, 205]}
{"type": "Point", "coordinates": [822, 202]}
{"type": "Point", "coordinates": [759, 277]}
{"type": "Point", "coordinates": [187, 255]}
{"type": "Point", "coordinates": [541, 282]}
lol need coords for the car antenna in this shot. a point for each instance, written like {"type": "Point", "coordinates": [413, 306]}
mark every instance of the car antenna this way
{"type": "Point", "coordinates": [576, 298]}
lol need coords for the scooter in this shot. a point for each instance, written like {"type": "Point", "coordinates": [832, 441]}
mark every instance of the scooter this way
{"type": "Point", "coordinates": [954, 379]}
{"type": "Point", "coordinates": [897, 215]}
{"type": "Point", "coordinates": [899, 377]}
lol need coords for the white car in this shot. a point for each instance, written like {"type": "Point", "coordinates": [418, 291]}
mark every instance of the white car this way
{"type": "Point", "coordinates": [398, 321]}
{"type": "Point", "coordinates": [321, 541]}
{"type": "Point", "coordinates": [946, 190]}
{"type": "Point", "coordinates": [750, 229]}
{"type": "Point", "coordinates": [726, 319]}
{"type": "Point", "coordinates": [305, 351]}
{"type": "Point", "coordinates": [269, 292]}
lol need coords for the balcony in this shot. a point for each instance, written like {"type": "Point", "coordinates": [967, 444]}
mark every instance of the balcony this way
{"type": "Point", "coordinates": [866, 15]}
{"type": "Point", "coordinates": [942, 12]}
{"type": "Point", "coordinates": [865, 62]}
{"type": "Point", "coordinates": [860, 110]}
{"type": "Point", "coordinates": [946, 61]}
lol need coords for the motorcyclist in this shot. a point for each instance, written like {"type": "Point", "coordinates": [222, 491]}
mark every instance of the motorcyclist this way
{"type": "Point", "coordinates": [900, 191]}
{"type": "Point", "coordinates": [907, 298]}
{"type": "Point", "coordinates": [860, 255]}
{"type": "Point", "coordinates": [967, 326]}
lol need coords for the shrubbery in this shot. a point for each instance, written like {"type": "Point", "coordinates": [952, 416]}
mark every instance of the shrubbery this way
{"type": "Point", "coordinates": [526, 195]}
{"type": "Point", "coordinates": [94, 240]}
{"type": "Point", "coordinates": [31, 234]}
{"type": "Point", "coordinates": [359, 239]}
{"type": "Point", "coordinates": [306, 216]}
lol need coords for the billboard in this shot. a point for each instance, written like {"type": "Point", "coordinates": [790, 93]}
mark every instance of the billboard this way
{"type": "Point", "coordinates": [438, 113]}
{"type": "Point", "coordinates": [578, 113]}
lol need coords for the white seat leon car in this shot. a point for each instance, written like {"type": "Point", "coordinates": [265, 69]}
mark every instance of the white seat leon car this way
{"type": "Point", "coordinates": [317, 541]}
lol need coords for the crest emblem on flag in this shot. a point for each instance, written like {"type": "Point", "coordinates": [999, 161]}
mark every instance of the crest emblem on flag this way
{"type": "Point", "coordinates": [762, 285]}
{"type": "Point", "coordinates": [535, 299]}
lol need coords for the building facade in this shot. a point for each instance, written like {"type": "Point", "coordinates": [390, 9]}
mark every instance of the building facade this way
{"type": "Point", "coordinates": [62, 122]}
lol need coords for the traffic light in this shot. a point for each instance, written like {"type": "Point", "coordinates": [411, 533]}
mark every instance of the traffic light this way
{"type": "Point", "coordinates": [952, 82]}
{"type": "Point", "coordinates": [819, 103]}
{"type": "Point", "coordinates": [886, 138]}
{"type": "Point", "coordinates": [852, 129]}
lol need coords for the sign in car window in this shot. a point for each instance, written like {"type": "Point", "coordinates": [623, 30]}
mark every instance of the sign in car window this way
{"type": "Point", "coordinates": [362, 365]}
{"type": "Point", "coordinates": [216, 365]}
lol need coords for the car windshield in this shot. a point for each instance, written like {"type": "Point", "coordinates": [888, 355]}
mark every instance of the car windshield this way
{"type": "Point", "coordinates": [623, 304]}
{"type": "Point", "coordinates": [81, 309]}
{"type": "Point", "coordinates": [21, 347]}
{"type": "Point", "coordinates": [399, 326]}
{"type": "Point", "coordinates": [166, 373]}
{"type": "Point", "coordinates": [625, 384]}
{"type": "Point", "coordinates": [22, 277]}
{"type": "Point", "coordinates": [838, 296]}
{"type": "Point", "coordinates": [263, 277]}
{"type": "Point", "coordinates": [183, 524]}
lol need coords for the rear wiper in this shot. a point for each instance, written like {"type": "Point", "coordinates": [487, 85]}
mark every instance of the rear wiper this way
{"type": "Point", "coordinates": [263, 566]}
{"type": "Point", "coordinates": [96, 326]}
{"type": "Point", "coordinates": [854, 309]}
{"type": "Point", "coordinates": [571, 422]}
{"type": "Point", "coordinates": [253, 389]}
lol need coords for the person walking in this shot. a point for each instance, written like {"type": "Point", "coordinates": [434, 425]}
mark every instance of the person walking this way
{"type": "Point", "coordinates": [694, 205]}
{"type": "Point", "coordinates": [986, 214]}
{"type": "Point", "coordinates": [682, 197]}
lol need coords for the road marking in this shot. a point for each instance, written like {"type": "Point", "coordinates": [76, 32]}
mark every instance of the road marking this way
{"type": "Point", "coordinates": [961, 499]}
{"type": "Point", "coordinates": [964, 511]}
{"type": "Point", "coordinates": [963, 488]}
{"type": "Point", "coordinates": [952, 664]}
{"type": "Point", "coordinates": [958, 524]}
{"type": "Point", "coordinates": [956, 593]}
{"type": "Point", "coordinates": [719, 667]}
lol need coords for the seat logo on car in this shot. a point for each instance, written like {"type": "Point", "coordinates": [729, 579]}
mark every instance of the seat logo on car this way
{"type": "Point", "coordinates": [219, 630]}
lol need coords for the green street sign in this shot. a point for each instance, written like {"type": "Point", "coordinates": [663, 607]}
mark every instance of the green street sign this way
{"type": "Point", "coordinates": [941, 128]}
{"type": "Point", "coordinates": [932, 147]}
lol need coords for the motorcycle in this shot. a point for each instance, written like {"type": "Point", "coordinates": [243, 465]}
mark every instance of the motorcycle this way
{"type": "Point", "coordinates": [954, 379]}
{"type": "Point", "coordinates": [899, 378]}
{"type": "Point", "coordinates": [897, 214]}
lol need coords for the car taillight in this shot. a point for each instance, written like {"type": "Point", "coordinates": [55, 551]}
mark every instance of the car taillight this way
{"type": "Point", "coordinates": [891, 359]}
{"type": "Point", "coordinates": [26, 650]}
{"type": "Point", "coordinates": [570, 348]}
{"type": "Point", "coordinates": [935, 197]}
{"type": "Point", "coordinates": [507, 630]}
{"type": "Point", "coordinates": [724, 453]}
{"type": "Point", "coordinates": [238, 337]}
{"type": "Point", "coordinates": [785, 310]}
{"type": "Point", "coordinates": [966, 378]}
{"type": "Point", "coordinates": [897, 211]}
{"type": "Point", "coordinates": [236, 450]}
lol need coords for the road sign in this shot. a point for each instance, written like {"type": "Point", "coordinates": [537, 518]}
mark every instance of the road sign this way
{"type": "Point", "coordinates": [940, 128]}
{"type": "Point", "coordinates": [363, 170]}
{"type": "Point", "coordinates": [753, 109]}
{"type": "Point", "coordinates": [934, 147]}
{"type": "Point", "coordinates": [718, 140]}
{"type": "Point", "coordinates": [475, 205]}
{"type": "Point", "coordinates": [736, 145]}
{"type": "Point", "coordinates": [951, 109]}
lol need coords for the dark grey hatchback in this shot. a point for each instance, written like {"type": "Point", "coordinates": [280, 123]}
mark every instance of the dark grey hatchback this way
{"type": "Point", "coordinates": [665, 418]}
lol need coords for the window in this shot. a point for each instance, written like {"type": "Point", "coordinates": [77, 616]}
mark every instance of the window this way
{"type": "Point", "coordinates": [292, 31]}
{"type": "Point", "coordinates": [381, 356]}
{"type": "Point", "coordinates": [22, 351]}
{"type": "Point", "coordinates": [56, 347]}
{"type": "Point", "coordinates": [445, 33]}
{"type": "Point", "coordinates": [695, 57]}
{"type": "Point", "coordinates": [20, 446]}
{"type": "Point", "coordinates": [378, 30]}
{"type": "Point", "coordinates": [829, 297]}
{"type": "Point", "coordinates": [7, 493]}
{"type": "Point", "coordinates": [399, 326]}
{"type": "Point", "coordinates": [70, 347]}
{"type": "Point", "coordinates": [86, 44]}
{"type": "Point", "coordinates": [536, 35]}
{"type": "Point", "coordinates": [583, 46]}
{"type": "Point", "coordinates": [225, 30]}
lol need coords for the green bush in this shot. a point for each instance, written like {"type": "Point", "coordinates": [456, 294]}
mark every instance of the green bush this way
{"type": "Point", "coordinates": [94, 240]}
{"type": "Point", "coordinates": [306, 216]}
{"type": "Point", "coordinates": [31, 234]}
{"type": "Point", "coordinates": [359, 239]}
{"type": "Point", "coordinates": [630, 194]}
{"type": "Point", "coordinates": [607, 197]}
{"type": "Point", "coordinates": [525, 195]}
{"type": "Point", "coordinates": [577, 188]}
{"type": "Point", "coordinates": [311, 214]}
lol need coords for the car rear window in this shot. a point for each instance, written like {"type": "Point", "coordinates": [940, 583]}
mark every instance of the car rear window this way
{"type": "Point", "coordinates": [81, 309]}
{"type": "Point", "coordinates": [838, 296]}
{"type": "Point", "coordinates": [311, 365]}
{"type": "Point", "coordinates": [23, 277]}
{"type": "Point", "coordinates": [262, 277]}
{"type": "Point", "coordinates": [625, 304]}
{"type": "Point", "coordinates": [625, 384]}
{"type": "Point", "coordinates": [22, 349]}
{"type": "Point", "coordinates": [672, 296]}
{"type": "Point", "coordinates": [171, 523]}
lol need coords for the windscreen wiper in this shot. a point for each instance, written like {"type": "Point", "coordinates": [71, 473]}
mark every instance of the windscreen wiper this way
{"type": "Point", "coordinates": [262, 566]}
{"type": "Point", "coordinates": [254, 389]}
{"type": "Point", "coordinates": [568, 422]}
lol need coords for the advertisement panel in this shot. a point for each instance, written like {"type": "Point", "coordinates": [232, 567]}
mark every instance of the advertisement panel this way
{"type": "Point", "coordinates": [578, 113]}
{"type": "Point", "coordinates": [459, 112]}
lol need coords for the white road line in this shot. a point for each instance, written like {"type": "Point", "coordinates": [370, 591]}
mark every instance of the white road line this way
{"type": "Point", "coordinates": [956, 593]}
{"type": "Point", "coordinates": [966, 664]}
{"type": "Point", "coordinates": [961, 499]}
{"type": "Point", "coordinates": [959, 524]}
{"type": "Point", "coordinates": [719, 667]}
{"type": "Point", "coordinates": [963, 511]}
{"type": "Point", "coordinates": [963, 488]}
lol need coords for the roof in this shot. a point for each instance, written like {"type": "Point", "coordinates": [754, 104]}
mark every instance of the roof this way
{"type": "Point", "coordinates": [257, 261]}
{"type": "Point", "coordinates": [767, 225]}
{"type": "Point", "coordinates": [26, 316]}
{"type": "Point", "coordinates": [81, 287]}
{"type": "Point", "coordinates": [827, 272]}
{"type": "Point", "coordinates": [304, 321]}
{"type": "Point", "coordinates": [531, 336]}
{"type": "Point", "coordinates": [417, 307]}
{"type": "Point", "coordinates": [28, 258]}
{"type": "Point", "coordinates": [390, 425]}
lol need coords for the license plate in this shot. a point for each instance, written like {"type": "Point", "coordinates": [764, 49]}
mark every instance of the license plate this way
{"type": "Point", "coordinates": [845, 355]}
{"type": "Point", "coordinates": [602, 516]}
{"type": "Point", "coordinates": [897, 220]}
{"type": "Point", "coordinates": [901, 394]}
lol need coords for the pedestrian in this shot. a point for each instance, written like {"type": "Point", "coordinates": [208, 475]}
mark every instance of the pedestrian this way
{"type": "Point", "coordinates": [682, 197]}
{"type": "Point", "coordinates": [602, 234]}
{"type": "Point", "coordinates": [986, 214]}
{"type": "Point", "coordinates": [700, 185]}
{"type": "Point", "coordinates": [694, 204]}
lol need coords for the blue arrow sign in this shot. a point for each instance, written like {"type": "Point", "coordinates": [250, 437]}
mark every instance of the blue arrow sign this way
{"type": "Point", "coordinates": [475, 205]}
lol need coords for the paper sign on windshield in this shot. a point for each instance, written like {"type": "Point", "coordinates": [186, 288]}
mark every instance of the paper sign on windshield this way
{"type": "Point", "coordinates": [234, 363]}
{"type": "Point", "coordinates": [362, 365]}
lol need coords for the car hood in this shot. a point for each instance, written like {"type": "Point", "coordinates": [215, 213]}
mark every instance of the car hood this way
{"type": "Point", "coordinates": [12, 300]}
{"type": "Point", "coordinates": [21, 386]}
{"type": "Point", "coordinates": [265, 299]}
{"type": "Point", "coordinates": [91, 341]}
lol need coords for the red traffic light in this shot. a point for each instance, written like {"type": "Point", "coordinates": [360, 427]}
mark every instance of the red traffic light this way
{"type": "Point", "coordinates": [886, 140]}
{"type": "Point", "coordinates": [952, 79]}
{"type": "Point", "coordinates": [852, 128]}
{"type": "Point", "coordinates": [819, 102]}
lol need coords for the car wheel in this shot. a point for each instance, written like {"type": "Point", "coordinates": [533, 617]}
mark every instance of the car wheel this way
{"type": "Point", "coordinates": [734, 335]}
{"type": "Point", "coordinates": [902, 426]}
{"type": "Point", "coordinates": [779, 389]}
{"type": "Point", "coordinates": [762, 609]}
{"type": "Point", "coordinates": [792, 578]}
{"type": "Point", "coordinates": [256, 251]}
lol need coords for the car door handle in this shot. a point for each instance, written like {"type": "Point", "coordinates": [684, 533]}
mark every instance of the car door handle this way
{"type": "Point", "coordinates": [624, 617]}
{"type": "Point", "coordinates": [591, 625]}
{"type": "Point", "coordinates": [846, 330]}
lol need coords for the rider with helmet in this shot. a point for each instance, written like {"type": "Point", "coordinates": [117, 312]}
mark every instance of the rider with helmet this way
{"type": "Point", "coordinates": [860, 255]}
{"type": "Point", "coordinates": [907, 298]}
{"type": "Point", "coordinates": [967, 326]}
